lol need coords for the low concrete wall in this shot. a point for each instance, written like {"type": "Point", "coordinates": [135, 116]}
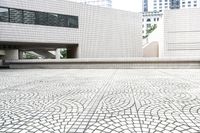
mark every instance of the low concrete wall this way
{"type": "Point", "coordinates": [135, 63]}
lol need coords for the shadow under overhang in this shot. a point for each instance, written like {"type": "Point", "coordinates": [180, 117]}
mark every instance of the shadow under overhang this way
{"type": "Point", "coordinates": [35, 45]}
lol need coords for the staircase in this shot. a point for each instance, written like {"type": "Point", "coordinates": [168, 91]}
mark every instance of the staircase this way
{"type": "Point", "coordinates": [45, 54]}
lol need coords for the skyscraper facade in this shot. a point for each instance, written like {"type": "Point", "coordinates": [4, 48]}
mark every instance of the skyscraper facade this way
{"type": "Point", "coordinates": [145, 6]}
{"type": "Point", "coordinates": [161, 5]}
{"type": "Point", "coordinates": [189, 4]}
{"type": "Point", "coordinates": [174, 4]}
{"type": "Point", "coordinates": [102, 3]}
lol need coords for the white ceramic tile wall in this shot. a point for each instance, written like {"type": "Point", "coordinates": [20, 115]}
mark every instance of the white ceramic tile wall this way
{"type": "Point", "coordinates": [182, 33]}
{"type": "Point", "coordinates": [102, 32]}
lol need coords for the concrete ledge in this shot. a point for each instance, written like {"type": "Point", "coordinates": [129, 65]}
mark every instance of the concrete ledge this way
{"type": "Point", "coordinates": [2, 66]}
{"type": "Point", "coordinates": [120, 63]}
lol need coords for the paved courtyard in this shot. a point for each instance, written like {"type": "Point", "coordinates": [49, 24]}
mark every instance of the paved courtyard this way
{"type": "Point", "coordinates": [106, 101]}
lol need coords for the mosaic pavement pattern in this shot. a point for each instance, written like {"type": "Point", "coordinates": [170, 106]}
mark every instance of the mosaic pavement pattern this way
{"type": "Point", "coordinates": [100, 101]}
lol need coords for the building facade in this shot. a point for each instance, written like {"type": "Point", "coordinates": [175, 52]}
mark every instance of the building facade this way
{"type": "Point", "coordinates": [154, 10]}
{"type": "Point", "coordinates": [86, 31]}
{"type": "Point", "coordinates": [150, 19]}
{"type": "Point", "coordinates": [189, 4]}
{"type": "Point", "coordinates": [181, 33]}
{"type": "Point", "coordinates": [162, 5]}
{"type": "Point", "coordinates": [101, 3]}
{"type": "Point", "coordinates": [145, 6]}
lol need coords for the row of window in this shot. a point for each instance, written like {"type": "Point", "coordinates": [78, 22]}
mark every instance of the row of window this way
{"type": "Point", "coordinates": [189, 5]}
{"type": "Point", "coordinates": [189, 2]}
{"type": "Point", "coordinates": [37, 18]}
{"type": "Point", "coordinates": [160, 1]}
{"type": "Point", "coordinates": [149, 20]}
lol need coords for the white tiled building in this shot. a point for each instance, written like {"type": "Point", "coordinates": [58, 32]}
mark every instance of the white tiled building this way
{"type": "Point", "coordinates": [102, 3]}
{"type": "Point", "coordinates": [181, 33]}
{"type": "Point", "coordinates": [177, 34]}
{"type": "Point", "coordinates": [86, 31]}
{"type": "Point", "coordinates": [155, 6]}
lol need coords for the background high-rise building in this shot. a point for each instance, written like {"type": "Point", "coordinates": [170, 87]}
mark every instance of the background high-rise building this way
{"type": "Point", "coordinates": [145, 5]}
{"type": "Point", "coordinates": [174, 4]}
{"type": "Point", "coordinates": [102, 3]}
{"type": "Point", "coordinates": [161, 5]}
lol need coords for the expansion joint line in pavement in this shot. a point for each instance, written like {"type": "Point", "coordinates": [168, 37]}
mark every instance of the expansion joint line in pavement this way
{"type": "Point", "coordinates": [92, 106]}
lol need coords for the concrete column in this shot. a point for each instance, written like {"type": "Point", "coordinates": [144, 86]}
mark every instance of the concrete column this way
{"type": "Point", "coordinates": [20, 54]}
{"type": "Point", "coordinates": [12, 54]}
{"type": "Point", "coordinates": [57, 53]}
{"type": "Point", "coordinates": [1, 62]}
{"type": "Point", "coordinates": [2, 52]}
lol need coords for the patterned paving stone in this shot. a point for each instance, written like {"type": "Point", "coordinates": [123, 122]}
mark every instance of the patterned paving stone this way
{"type": "Point", "coordinates": [100, 101]}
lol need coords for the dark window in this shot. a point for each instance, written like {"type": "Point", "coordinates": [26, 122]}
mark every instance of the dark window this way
{"type": "Point", "coordinates": [41, 18]}
{"type": "Point", "coordinates": [16, 16]}
{"type": "Point", "coordinates": [29, 17]}
{"type": "Point", "coordinates": [148, 20]}
{"type": "Point", "coordinates": [73, 21]}
{"type": "Point", "coordinates": [53, 19]}
{"type": "Point", "coordinates": [4, 15]}
{"type": "Point", "coordinates": [63, 20]}
{"type": "Point", "coordinates": [38, 18]}
{"type": "Point", "coordinates": [148, 25]}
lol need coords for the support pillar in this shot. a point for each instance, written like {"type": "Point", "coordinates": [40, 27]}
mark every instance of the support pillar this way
{"type": "Point", "coordinates": [20, 54]}
{"type": "Point", "coordinates": [12, 54]}
{"type": "Point", "coordinates": [58, 53]}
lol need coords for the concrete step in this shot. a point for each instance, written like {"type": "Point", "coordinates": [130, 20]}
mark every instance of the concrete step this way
{"type": "Point", "coordinates": [131, 63]}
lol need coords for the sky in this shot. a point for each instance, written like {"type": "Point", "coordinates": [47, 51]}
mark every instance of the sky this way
{"type": "Point", "coordinates": [128, 5]}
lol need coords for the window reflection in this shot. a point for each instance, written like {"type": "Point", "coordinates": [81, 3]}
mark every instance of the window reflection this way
{"type": "Point", "coordinates": [16, 16]}
{"type": "Point", "coordinates": [29, 17]}
{"type": "Point", "coordinates": [3, 15]}
{"type": "Point", "coordinates": [38, 18]}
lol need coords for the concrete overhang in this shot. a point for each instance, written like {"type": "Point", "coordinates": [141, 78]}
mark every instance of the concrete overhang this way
{"type": "Point", "coordinates": [35, 45]}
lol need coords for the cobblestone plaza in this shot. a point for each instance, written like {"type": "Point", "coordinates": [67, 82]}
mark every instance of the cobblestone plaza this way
{"type": "Point", "coordinates": [106, 101]}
